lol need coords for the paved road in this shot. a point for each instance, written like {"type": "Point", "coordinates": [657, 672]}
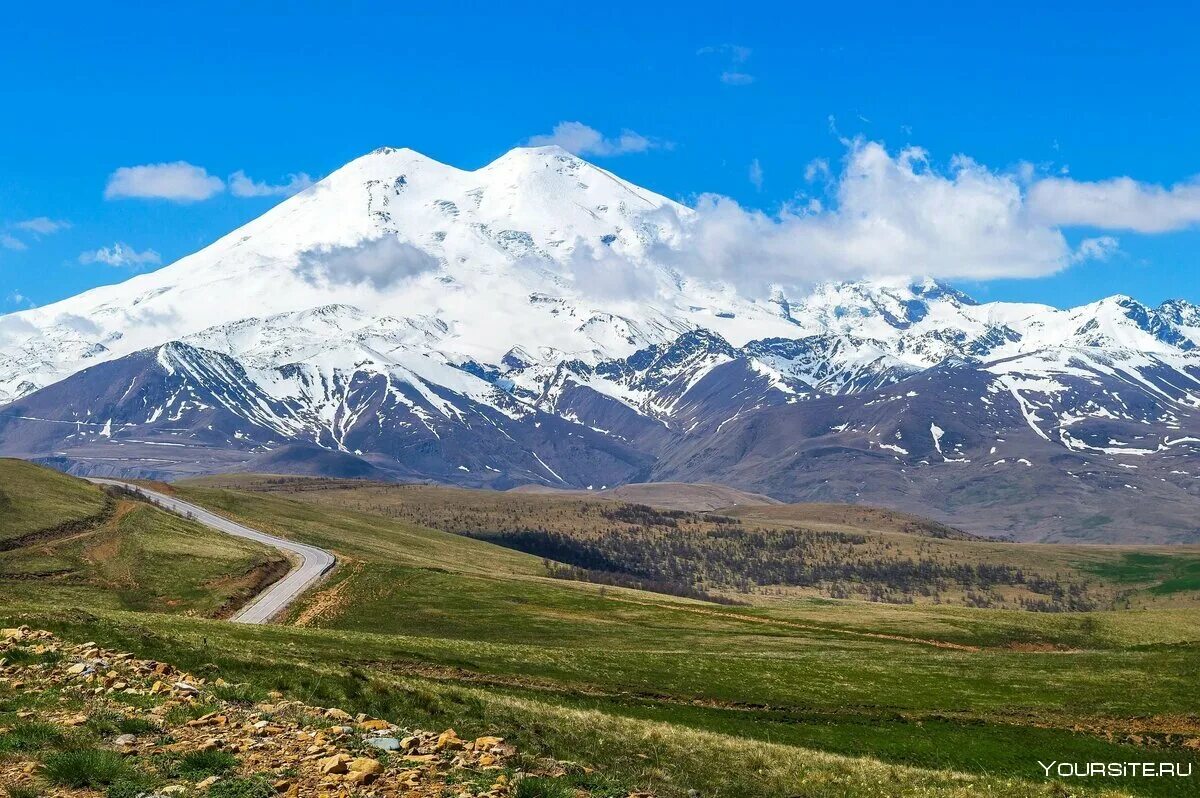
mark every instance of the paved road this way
{"type": "Point", "coordinates": [313, 563]}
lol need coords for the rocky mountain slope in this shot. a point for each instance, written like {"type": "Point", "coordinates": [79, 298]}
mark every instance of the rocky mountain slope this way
{"type": "Point", "coordinates": [524, 323]}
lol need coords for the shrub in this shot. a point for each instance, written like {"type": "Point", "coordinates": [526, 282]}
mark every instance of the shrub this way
{"type": "Point", "coordinates": [201, 764]}
{"type": "Point", "coordinates": [250, 787]}
{"type": "Point", "coordinates": [22, 791]}
{"type": "Point", "coordinates": [87, 767]}
{"type": "Point", "coordinates": [30, 736]}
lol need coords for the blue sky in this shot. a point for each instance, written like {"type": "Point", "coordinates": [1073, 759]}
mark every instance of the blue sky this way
{"type": "Point", "coordinates": [1080, 93]}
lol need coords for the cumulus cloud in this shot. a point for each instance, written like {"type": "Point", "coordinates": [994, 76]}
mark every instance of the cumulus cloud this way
{"type": "Point", "coordinates": [598, 271]}
{"type": "Point", "coordinates": [580, 139]}
{"type": "Point", "coordinates": [121, 255]}
{"type": "Point", "coordinates": [1098, 248]}
{"type": "Point", "coordinates": [12, 242]}
{"type": "Point", "coordinates": [380, 263]}
{"type": "Point", "coordinates": [179, 181]}
{"type": "Point", "coordinates": [1120, 203]}
{"type": "Point", "coordinates": [240, 185]}
{"type": "Point", "coordinates": [14, 329]}
{"type": "Point", "coordinates": [79, 324]}
{"type": "Point", "coordinates": [42, 225]}
{"type": "Point", "coordinates": [888, 215]}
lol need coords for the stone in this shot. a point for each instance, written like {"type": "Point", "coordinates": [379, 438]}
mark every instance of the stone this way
{"type": "Point", "coordinates": [366, 765]}
{"type": "Point", "coordinates": [125, 740]}
{"type": "Point", "coordinates": [334, 764]}
{"type": "Point", "coordinates": [448, 740]}
{"type": "Point", "coordinates": [384, 743]}
{"type": "Point", "coordinates": [484, 743]}
{"type": "Point", "coordinates": [375, 725]}
{"type": "Point", "coordinates": [204, 784]}
{"type": "Point", "coordinates": [360, 777]}
{"type": "Point", "coordinates": [410, 742]}
{"type": "Point", "coordinates": [338, 714]}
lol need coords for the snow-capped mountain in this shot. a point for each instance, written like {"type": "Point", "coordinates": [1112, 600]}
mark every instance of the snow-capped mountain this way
{"type": "Point", "coordinates": [520, 323]}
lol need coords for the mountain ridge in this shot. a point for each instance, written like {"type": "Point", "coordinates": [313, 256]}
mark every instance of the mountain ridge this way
{"type": "Point", "coordinates": [517, 324]}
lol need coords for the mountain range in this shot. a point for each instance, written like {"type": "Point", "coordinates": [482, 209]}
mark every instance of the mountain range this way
{"type": "Point", "coordinates": [528, 323]}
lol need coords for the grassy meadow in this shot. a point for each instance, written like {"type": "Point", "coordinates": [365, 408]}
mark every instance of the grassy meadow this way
{"type": "Point", "coordinates": [785, 694]}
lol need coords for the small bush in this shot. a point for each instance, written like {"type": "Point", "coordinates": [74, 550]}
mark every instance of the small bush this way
{"type": "Point", "coordinates": [201, 764]}
{"type": "Point", "coordinates": [128, 725]}
{"type": "Point", "coordinates": [87, 767]}
{"type": "Point", "coordinates": [103, 722]}
{"type": "Point", "coordinates": [21, 791]}
{"type": "Point", "coordinates": [250, 787]}
{"type": "Point", "coordinates": [30, 736]}
{"type": "Point", "coordinates": [26, 656]}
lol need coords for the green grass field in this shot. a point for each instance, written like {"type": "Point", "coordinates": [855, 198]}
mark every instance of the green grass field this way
{"type": "Point", "coordinates": [794, 696]}
{"type": "Point", "coordinates": [135, 556]}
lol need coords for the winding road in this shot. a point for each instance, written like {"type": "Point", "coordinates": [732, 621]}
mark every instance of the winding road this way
{"type": "Point", "coordinates": [313, 562]}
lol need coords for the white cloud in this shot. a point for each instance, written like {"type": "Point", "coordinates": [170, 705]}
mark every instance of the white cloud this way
{"type": "Point", "coordinates": [15, 297]}
{"type": "Point", "coordinates": [178, 182]}
{"type": "Point", "coordinates": [889, 215]}
{"type": "Point", "coordinates": [42, 225]}
{"type": "Point", "coordinates": [242, 186]}
{"type": "Point", "coordinates": [1098, 248]}
{"type": "Point", "coordinates": [122, 256]}
{"type": "Point", "coordinates": [598, 271]}
{"type": "Point", "coordinates": [734, 78]}
{"type": "Point", "coordinates": [379, 262]}
{"type": "Point", "coordinates": [817, 168]}
{"type": "Point", "coordinates": [756, 174]}
{"type": "Point", "coordinates": [12, 242]}
{"type": "Point", "coordinates": [1120, 203]}
{"type": "Point", "coordinates": [14, 329]}
{"type": "Point", "coordinates": [580, 139]}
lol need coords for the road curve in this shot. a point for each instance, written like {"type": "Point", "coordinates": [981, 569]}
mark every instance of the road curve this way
{"type": "Point", "coordinates": [313, 562]}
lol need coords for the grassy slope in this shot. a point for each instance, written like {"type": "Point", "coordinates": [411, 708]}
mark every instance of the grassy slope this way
{"type": "Point", "coordinates": [139, 557]}
{"type": "Point", "coordinates": [33, 498]}
{"type": "Point", "coordinates": [814, 673]}
{"type": "Point", "coordinates": [431, 628]}
{"type": "Point", "coordinates": [1160, 577]}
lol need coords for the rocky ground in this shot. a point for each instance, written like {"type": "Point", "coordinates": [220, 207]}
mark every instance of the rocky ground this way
{"type": "Point", "coordinates": [79, 720]}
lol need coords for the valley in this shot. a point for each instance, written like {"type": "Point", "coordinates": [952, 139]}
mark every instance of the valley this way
{"type": "Point", "coordinates": [777, 694]}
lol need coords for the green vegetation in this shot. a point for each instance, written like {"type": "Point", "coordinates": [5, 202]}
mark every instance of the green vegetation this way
{"type": "Point", "coordinates": [789, 694]}
{"type": "Point", "coordinates": [87, 767]}
{"type": "Point", "coordinates": [251, 787]}
{"type": "Point", "coordinates": [30, 736]}
{"type": "Point", "coordinates": [21, 791]}
{"type": "Point", "coordinates": [34, 499]}
{"type": "Point", "coordinates": [72, 543]}
{"type": "Point", "coordinates": [200, 764]}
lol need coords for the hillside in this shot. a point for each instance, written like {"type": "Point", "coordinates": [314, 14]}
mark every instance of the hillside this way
{"type": "Point", "coordinates": [68, 539]}
{"type": "Point", "coordinates": [536, 322]}
{"type": "Point", "coordinates": [659, 694]}
{"type": "Point", "coordinates": [759, 554]}
{"type": "Point", "coordinates": [665, 495]}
